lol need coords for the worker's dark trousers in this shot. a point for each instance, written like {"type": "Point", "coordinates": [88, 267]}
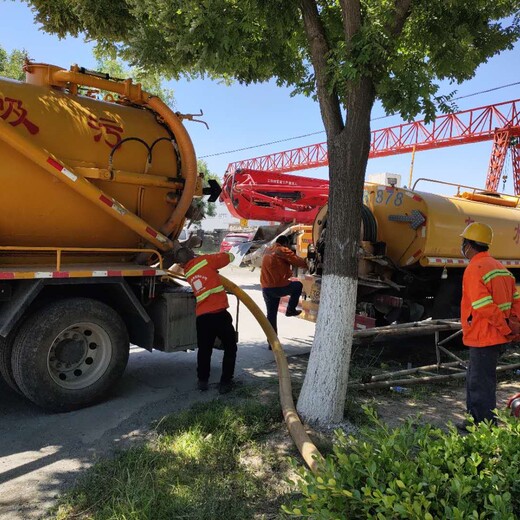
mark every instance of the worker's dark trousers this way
{"type": "Point", "coordinates": [272, 297]}
{"type": "Point", "coordinates": [481, 382]}
{"type": "Point", "coordinates": [209, 327]}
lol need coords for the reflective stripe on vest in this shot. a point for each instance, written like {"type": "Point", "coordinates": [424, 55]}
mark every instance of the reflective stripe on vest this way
{"type": "Point", "coordinates": [477, 304]}
{"type": "Point", "coordinates": [516, 295]}
{"type": "Point", "coordinates": [494, 273]}
{"type": "Point", "coordinates": [488, 300]}
{"type": "Point", "coordinates": [209, 292]}
{"type": "Point", "coordinates": [196, 267]}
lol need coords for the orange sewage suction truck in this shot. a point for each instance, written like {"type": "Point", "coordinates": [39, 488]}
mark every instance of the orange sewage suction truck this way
{"type": "Point", "coordinates": [410, 264]}
{"type": "Point", "coordinates": [93, 195]}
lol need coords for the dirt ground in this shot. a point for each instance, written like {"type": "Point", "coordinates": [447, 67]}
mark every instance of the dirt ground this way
{"type": "Point", "coordinates": [444, 404]}
{"type": "Point", "coordinates": [437, 404]}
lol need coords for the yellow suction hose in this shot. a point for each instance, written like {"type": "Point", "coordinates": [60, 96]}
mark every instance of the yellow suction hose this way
{"type": "Point", "coordinates": [308, 450]}
{"type": "Point", "coordinates": [305, 446]}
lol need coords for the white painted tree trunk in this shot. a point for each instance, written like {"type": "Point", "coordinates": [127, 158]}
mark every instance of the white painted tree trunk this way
{"type": "Point", "coordinates": [322, 398]}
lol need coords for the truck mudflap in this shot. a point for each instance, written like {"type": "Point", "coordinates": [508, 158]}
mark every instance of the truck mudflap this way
{"type": "Point", "coordinates": [23, 293]}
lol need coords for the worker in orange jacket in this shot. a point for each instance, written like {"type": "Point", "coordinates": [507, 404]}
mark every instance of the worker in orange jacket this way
{"type": "Point", "coordinates": [213, 319]}
{"type": "Point", "coordinates": [275, 279]}
{"type": "Point", "coordinates": [490, 309]}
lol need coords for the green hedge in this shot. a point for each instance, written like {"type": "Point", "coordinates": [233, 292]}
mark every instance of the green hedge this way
{"type": "Point", "coordinates": [416, 471]}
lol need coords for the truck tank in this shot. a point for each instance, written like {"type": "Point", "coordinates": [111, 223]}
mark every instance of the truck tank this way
{"type": "Point", "coordinates": [94, 194]}
{"type": "Point", "coordinates": [410, 262]}
{"type": "Point", "coordinates": [424, 228]}
{"type": "Point", "coordinates": [136, 168]}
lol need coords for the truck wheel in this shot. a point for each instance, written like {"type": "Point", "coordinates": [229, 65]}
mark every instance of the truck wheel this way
{"type": "Point", "coordinates": [6, 371]}
{"type": "Point", "coordinates": [69, 353]}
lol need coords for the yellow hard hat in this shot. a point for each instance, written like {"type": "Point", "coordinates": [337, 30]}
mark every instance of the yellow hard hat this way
{"type": "Point", "coordinates": [478, 232]}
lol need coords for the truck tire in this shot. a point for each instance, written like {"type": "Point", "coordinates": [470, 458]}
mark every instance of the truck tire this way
{"type": "Point", "coordinates": [6, 370]}
{"type": "Point", "coordinates": [369, 224]}
{"type": "Point", "coordinates": [69, 353]}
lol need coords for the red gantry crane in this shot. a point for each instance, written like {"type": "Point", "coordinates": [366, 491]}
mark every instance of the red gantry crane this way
{"type": "Point", "coordinates": [260, 188]}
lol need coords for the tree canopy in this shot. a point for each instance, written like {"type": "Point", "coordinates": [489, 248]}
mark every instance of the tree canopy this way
{"type": "Point", "coordinates": [253, 41]}
{"type": "Point", "coordinates": [11, 63]}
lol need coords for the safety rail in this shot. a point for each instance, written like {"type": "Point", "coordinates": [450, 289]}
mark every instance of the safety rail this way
{"type": "Point", "coordinates": [59, 251]}
{"type": "Point", "coordinates": [459, 186]}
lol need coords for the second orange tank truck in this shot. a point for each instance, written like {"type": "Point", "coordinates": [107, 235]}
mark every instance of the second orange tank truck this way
{"type": "Point", "coordinates": [93, 195]}
{"type": "Point", "coordinates": [410, 262]}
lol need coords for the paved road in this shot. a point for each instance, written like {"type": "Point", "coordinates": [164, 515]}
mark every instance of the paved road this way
{"type": "Point", "coordinates": [41, 454]}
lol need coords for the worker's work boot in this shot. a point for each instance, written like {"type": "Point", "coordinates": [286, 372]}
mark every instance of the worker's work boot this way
{"type": "Point", "coordinates": [202, 385]}
{"type": "Point", "coordinates": [293, 312]}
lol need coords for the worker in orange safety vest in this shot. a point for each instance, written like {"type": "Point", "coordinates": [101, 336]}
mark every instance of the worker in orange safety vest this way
{"type": "Point", "coordinates": [275, 280]}
{"type": "Point", "coordinates": [490, 311]}
{"type": "Point", "coordinates": [213, 319]}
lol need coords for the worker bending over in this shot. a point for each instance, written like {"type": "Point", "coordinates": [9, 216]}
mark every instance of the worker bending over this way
{"type": "Point", "coordinates": [275, 279]}
{"type": "Point", "coordinates": [213, 319]}
{"type": "Point", "coordinates": [490, 309]}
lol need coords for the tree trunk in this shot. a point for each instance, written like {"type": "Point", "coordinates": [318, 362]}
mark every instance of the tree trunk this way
{"type": "Point", "coordinates": [323, 394]}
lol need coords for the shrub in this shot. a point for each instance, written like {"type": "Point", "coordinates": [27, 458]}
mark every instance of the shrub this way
{"type": "Point", "coordinates": [416, 471]}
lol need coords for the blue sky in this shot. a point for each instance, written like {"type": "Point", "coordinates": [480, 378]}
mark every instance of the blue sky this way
{"type": "Point", "coordinates": [241, 116]}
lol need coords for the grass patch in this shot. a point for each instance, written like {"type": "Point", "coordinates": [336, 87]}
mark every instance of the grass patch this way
{"type": "Point", "coordinates": [209, 462]}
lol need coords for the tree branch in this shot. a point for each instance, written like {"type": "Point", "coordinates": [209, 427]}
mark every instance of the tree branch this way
{"type": "Point", "coordinates": [319, 49]}
{"type": "Point", "coordinates": [402, 12]}
{"type": "Point", "coordinates": [351, 14]}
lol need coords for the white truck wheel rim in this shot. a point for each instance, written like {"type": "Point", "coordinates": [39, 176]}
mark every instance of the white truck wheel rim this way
{"type": "Point", "coordinates": [79, 355]}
